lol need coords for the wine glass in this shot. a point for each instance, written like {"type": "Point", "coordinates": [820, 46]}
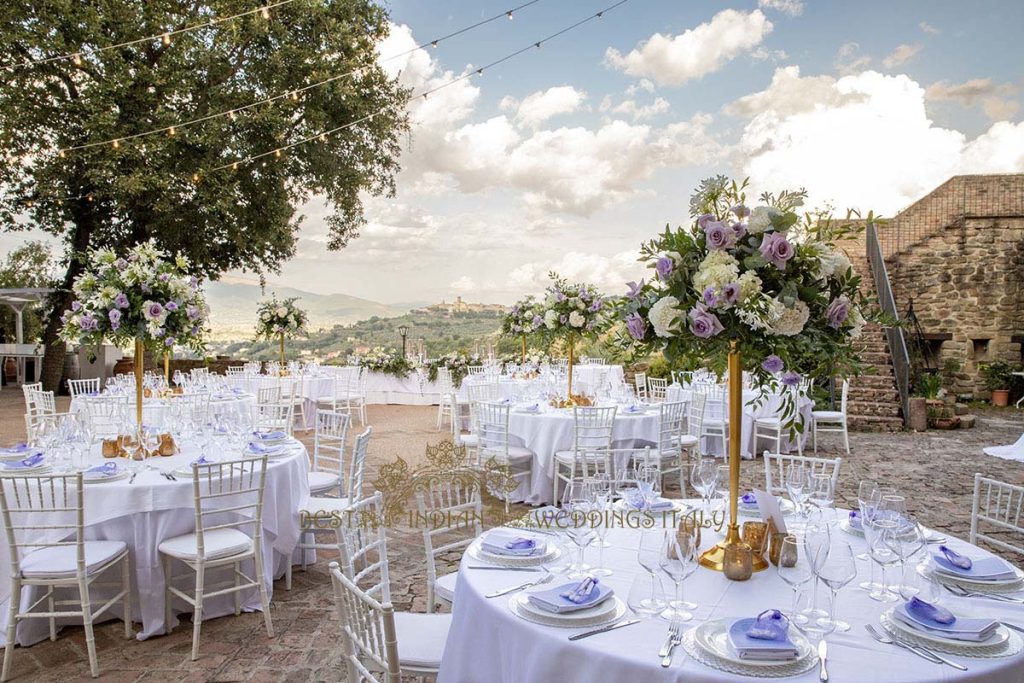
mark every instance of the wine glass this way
{"type": "Point", "coordinates": [649, 557]}
{"type": "Point", "coordinates": [839, 569]}
{"type": "Point", "coordinates": [816, 630]}
{"type": "Point", "coordinates": [821, 492]}
{"type": "Point", "coordinates": [648, 482]}
{"type": "Point", "coordinates": [679, 560]}
{"type": "Point", "coordinates": [579, 530]}
{"type": "Point", "coordinates": [704, 478]}
{"type": "Point", "coordinates": [879, 532]}
{"type": "Point", "coordinates": [910, 540]}
{"type": "Point", "coordinates": [817, 545]}
{"type": "Point", "coordinates": [797, 485]}
{"type": "Point", "coordinates": [793, 568]}
{"type": "Point", "coordinates": [600, 486]}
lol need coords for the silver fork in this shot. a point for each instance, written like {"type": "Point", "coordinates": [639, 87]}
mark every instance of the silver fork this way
{"type": "Point", "coordinates": [957, 589]}
{"type": "Point", "coordinates": [891, 641]}
{"type": "Point", "coordinates": [673, 631]}
{"type": "Point", "coordinates": [677, 639]}
{"type": "Point", "coordinates": [523, 586]}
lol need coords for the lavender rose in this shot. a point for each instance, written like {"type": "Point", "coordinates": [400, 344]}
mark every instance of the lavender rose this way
{"type": "Point", "coordinates": [537, 322]}
{"type": "Point", "coordinates": [731, 293]}
{"type": "Point", "coordinates": [837, 312]}
{"type": "Point", "coordinates": [75, 306]}
{"type": "Point", "coordinates": [664, 267]}
{"type": "Point", "coordinates": [192, 312]}
{"type": "Point", "coordinates": [776, 249]}
{"type": "Point", "coordinates": [636, 326]}
{"type": "Point", "coordinates": [772, 364]}
{"type": "Point", "coordinates": [740, 211]}
{"type": "Point", "coordinates": [121, 300]}
{"type": "Point", "coordinates": [169, 342]}
{"type": "Point", "coordinates": [791, 379]}
{"type": "Point", "coordinates": [115, 317]}
{"type": "Point", "coordinates": [634, 289]}
{"type": "Point", "coordinates": [703, 323]}
{"type": "Point", "coordinates": [710, 298]}
{"type": "Point", "coordinates": [739, 229]}
{"type": "Point", "coordinates": [171, 306]}
{"type": "Point", "coordinates": [719, 236]}
{"type": "Point", "coordinates": [703, 220]}
{"type": "Point", "coordinates": [153, 310]}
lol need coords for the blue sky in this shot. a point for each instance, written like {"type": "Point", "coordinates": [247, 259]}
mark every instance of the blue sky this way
{"type": "Point", "coordinates": [570, 156]}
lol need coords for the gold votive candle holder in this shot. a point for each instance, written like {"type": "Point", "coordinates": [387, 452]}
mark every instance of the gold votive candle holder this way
{"type": "Point", "coordinates": [755, 534]}
{"type": "Point", "coordinates": [738, 562]}
{"type": "Point", "coordinates": [775, 546]}
{"type": "Point", "coordinates": [689, 525]}
{"type": "Point", "coordinates": [785, 555]}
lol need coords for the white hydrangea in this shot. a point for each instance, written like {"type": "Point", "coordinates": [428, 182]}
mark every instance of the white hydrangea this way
{"type": "Point", "coordinates": [551, 319]}
{"type": "Point", "coordinates": [831, 263]}
{"type": "Point", "coordinates": [856, 322]}
{"type": "Point", "coordinates": [663, 312]}
{"type": "Point", "coordinates": [791, 319]}
{"type": "Point", "coordinates": [750, 285]}
{"type": "Point", "coordinates": [576, 319]}
{"type": "Point", "coordinates": [718, 269]}
{"type": "Point", "coordinates": [761, 219]}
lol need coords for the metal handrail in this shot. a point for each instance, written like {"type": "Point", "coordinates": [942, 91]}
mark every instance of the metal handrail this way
{"type": "Point", "coordinates": [894, 335]}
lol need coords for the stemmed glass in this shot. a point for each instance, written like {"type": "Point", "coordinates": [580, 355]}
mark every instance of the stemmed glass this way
{"type": "Point", "coordinates": [815, 630]}
{"type": "Point", "coordinates": [821, 493]}
{"type": "Point", "coordinates": [839, 569]}
{"type": "Point", "coordinates": [909, 541]}
{"type": "Point", "coordinates": [679, 560]}
{"type": "Point", "coordinates": [817, 546]}
{"type": "Point", "coordinates": [579, 530]}
{"type": "Point", "coordinates": [649, 557]}
{"type": "Point", "coordinates": [795, 570]}
{"type": "Point", "coordinates": [704, 478]}
{"type": "Point", "coordinates": [880, 531]}
{"type": "Point", "coordinates": [648, 483]}
{"type": "Point", "coordinates": [797, 487]}
{"type": "Point", "coordinates": [600, 493]}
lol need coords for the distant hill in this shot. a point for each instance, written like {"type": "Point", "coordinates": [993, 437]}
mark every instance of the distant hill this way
{"type": "Point", "coordinates": [233, 307]}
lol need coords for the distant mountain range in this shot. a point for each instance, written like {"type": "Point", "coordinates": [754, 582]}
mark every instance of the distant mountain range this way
{"type": "Point", "coordinates": [233, 307]}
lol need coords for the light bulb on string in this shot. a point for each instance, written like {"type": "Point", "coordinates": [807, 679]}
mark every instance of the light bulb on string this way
{"type": "Point", "coordinates": [231, 115]}
{"type": "Point", "coordinates": [537, 45]}
{"type": "Point", "coordinates": [509, 15]}
{"type": "Point", "coordinates": [600, 15]}
{"type": "Point", "coordinates": [479, 72]}
{"type": "Point", "coordinates": [117, 144]}
{"type": "Point", "coordinates": [234, 166]}
{"type": "Point", "coordinates": [195, 178]}
{"type": "Point", "coordinates": [77, 59]}
{"type": "Point", "coordinates": [62, 154]}
{"type": "Point", "coordinates": [277, 153]}
{"type": "Point", "coordinates": [171, 131]}
{"type": "Point", "coordinates": [294, 95]}
{"type": "Point", "coordinates": [265, 12]}
{"type": "Point", "coordinates": [433, 43]}
{"type": "Point", "coordinates": [165, 39]}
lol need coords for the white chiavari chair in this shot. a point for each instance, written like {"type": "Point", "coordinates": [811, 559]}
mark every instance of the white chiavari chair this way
{"type": "Point", "coordinates": [105, 415]}
{"type": "Point", "coordinates": [832, 420]}
{"type": "Point", "coordinates": [328, 468]}
{"type": "Point", "coordinates": [689, 441]}
{"type": "Point", "coordinates": [668, 456]}
{"type": "Point", "coordinates": [44, 519]}
{"type": "Point", "coordinates": [379, 644]}
{"type": "Point", "coordinates": [474, 370]}
{"type": "Point", "coordinates": [776, 465]}
{"type": "Point", "coordinates": [322, 508]}
{"type": "Point", "coordinates": [42, 404]}
{"type": "Point", "coordinates": [228, 497]}
{"type": "Point", "coordinates": [235, 370]}
{"type": "Point", "coordinates": [715, 425]}
{"type": "Point", "coordinates": [657, 389]}
{"type": "Point", "coordinates": [640, 385]}
{"type": "Point", "coordinates": [85, 387]}
{"type": "Point", "coordinates": [494, 443]}
{"type": "Point", "coordinates": [276, 417]}
{"type": "Point", "coordinates": [997, 508]}
{"type": "Point", "coordinates": [293, 393]}
{"type": "Point", "coordinates": [26, 390]}
{"type": "Point", "coordinates": [771, 427]}
{"type": "Point", "coordinates": [446, 389]}
{"type": "Point", "coordinates": [268, 393]}
{"type": "Point", "coordinates": [355, 397]}
{"type": "Point", "coordinates": [592, 439]}
{"type": "Point", "coordinates": [457, 509]}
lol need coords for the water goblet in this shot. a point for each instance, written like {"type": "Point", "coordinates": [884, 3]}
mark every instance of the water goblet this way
{"type": "Point", "coordinates": [678, 560]}
{"type": "Point", "coordinates": [815, 629]}
{"type": "Point", "coordinates": [704, 478]}
{"type": "Point", "coordinates": [796, 487]}
{"type": "Point", "coordinates": [794, 569]}
{"type": "Point", "coordinates": [649, 557]}
{"type": "Point", "coordinates": [821, 493]}
{"type": "Point", "coordinates": [839, 569]}
{"type": "Point", "coordinates": [879, 533]}
{"type": "Point", "coordinates": [579, 529]}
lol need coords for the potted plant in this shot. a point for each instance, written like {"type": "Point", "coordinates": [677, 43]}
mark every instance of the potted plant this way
{"type": "Point", "coordinates": [997, 376]}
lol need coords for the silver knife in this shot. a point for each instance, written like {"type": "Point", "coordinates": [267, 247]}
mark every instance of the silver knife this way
{"type": "Point", "coordinates": [942, 659]}
{"type": "Point", "coordinates": [1013, 626]}
{"type": "Point", "coordinates": [822, 656]}
{"type": "Point", "coordinates": [605, 629]}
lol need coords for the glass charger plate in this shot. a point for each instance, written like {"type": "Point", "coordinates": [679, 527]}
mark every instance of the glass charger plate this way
{"type": "Point", "coordinates": [606, 616]}
{"type": "Point", "coordinates": [779, 670]}
{"type": "Point", "coordinates": [582, 617]}
{"type": "Point", "coordinates": [713, 638]}
{"type": "Point", "coordinates": [1007, 648]}
{"type": "Point", "coordinates": [1004, 586]}
{"type": "Point", "coordinates": [551, 554]}
{"type": "Point", "coordinates": [997, 639]}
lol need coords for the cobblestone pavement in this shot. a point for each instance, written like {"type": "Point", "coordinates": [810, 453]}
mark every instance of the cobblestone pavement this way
{"type": "Point", "coordinates": [935, 469]}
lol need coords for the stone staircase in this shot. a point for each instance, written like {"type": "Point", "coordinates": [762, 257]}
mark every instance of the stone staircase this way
{"type": "Point", "coordinates": [874, 401]}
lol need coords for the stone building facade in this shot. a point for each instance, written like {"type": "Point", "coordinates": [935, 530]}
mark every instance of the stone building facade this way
{"type": "Point", "coordinates": [958, 255]}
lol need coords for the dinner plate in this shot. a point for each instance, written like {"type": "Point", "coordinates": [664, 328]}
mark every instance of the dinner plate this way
{"type": "Point", "coordinates": [581, 617]}
{"type": "Point", "coordinates": [121, 474]}
{"type": "Point", "coordinates": [25, 470]}
{"type": "Point", "coordinates": [677, 504]}
{"type": "Point", "coordinates": [605, 616]}
{"type": "Point", "coordinates": [845, 526]}
{"type": "Point", "coordinates": [550, 554]}
{"type": "Point", "coordinates": [1001, 635]}
{"type": "Point", "coordinates": [713, 638]}
{"type": "Point", "coordinates": [14, 457]}
{"type": "Point", "coordinates": [786, 506]}
{"type": "Point", "coordinates": [949, 577]}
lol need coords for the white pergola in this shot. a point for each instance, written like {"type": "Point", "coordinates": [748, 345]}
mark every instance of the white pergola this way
{"type": "Point", "coordinates": [18, 299]}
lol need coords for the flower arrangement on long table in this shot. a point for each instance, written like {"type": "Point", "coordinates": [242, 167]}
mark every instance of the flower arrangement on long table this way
{"type": "Point", "coordinates": [384, 361]}
{"type": "Point", "coordinates": [458, 365]}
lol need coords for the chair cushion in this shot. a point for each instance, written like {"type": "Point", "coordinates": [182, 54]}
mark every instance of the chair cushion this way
{"type": "Point", "coordinates": [421, 638]}
{"type": "Point", "coordinates": [514, 453]}
{"type": "Point", "coordinates": [322, 481]}
{"type": "Point", "coordinates": [444, 587]}
{"type": "Point", "coordinates": [773, 422]}
{"type": "Point", "coordinates": [687, 441]}
{"type": "Point", "coordinates": [218, 543]}
{"type": "Point", "coordinates": [327, 504]}
{"type": "Point", "coordinates": [567, 457]}
{"type": "Point", "coordinates": [61, 561]}
{"type": "Point", "coordinates": [470, 440]}
{"type": "Point", "coordinates": [827, 415]}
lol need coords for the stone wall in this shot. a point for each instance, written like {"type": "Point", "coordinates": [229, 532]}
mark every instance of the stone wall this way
{"type": "Point", "coordinates": [966, 279]}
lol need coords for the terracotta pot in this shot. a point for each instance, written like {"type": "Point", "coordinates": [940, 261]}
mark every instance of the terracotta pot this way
{"type": "Point", "coordinates": [1001, 397]}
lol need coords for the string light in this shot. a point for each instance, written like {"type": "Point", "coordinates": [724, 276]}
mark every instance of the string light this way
{"type": "Point", "coordinates": [355, 73]}
{"type": "Point", "coordinates": [164, 36]}
{"type": "Point", "coordinates": [509, 15]}
{"type": "Point", "coordinates": [171, 131]}
{"type": "Point", "coordinates": [117, 144]}
{"type": "Point", "coordinates": [295, 96]}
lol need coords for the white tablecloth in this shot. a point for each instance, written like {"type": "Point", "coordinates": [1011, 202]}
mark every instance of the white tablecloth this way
{"type": "Point", "coordinates": [1014, 451]}
{"type": "Point", "coordinates": [508, 387]}
{"type": "Point", "coordinates": [412, 390]}
{"type": "Point", "coordinates": [589, 375]}
{"type": "Point", "coordinates": [152, 509]}
{"type": "Point", "coordinates": [311, 388]}
{"type": "Point", "coordinates": [154, 410]}
{"type": "Point", "coordinates": [489, 643]}
{"type": "Point", "coordinates": [552, 431]}
{"type": "Point", "coordinates": [769, 407]}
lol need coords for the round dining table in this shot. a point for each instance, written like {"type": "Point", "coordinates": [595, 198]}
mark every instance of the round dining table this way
{"type": "Point", "coordinates": [549, 430]}
{"type": "Point", "coordinates": [310, 387]}
{"type": "Point", "coordinates": [489, 642]}
{"type": "Point", "coordinates": [151, 508]}
{"type": "Point", "coordinates": [156, 410]}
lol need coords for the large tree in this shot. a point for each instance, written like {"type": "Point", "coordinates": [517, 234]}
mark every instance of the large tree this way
{"type": "Point", "coordinates": [164, 186]}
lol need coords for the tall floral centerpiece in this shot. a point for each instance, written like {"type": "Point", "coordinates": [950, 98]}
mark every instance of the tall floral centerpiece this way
{"type": "Point", "coordinates": [571, 312]}
{"type": "Point", "coordinates": [761, 290]}
{"type": "Point", "coordinates": [144, 298]}
{"type": "Point", "coordinates": [280, 320]}
{"type": "Point", "coordinates": [526, 317]}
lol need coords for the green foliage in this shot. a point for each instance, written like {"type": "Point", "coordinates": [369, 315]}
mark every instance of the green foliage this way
{"type": "Point", "coordinates": [29, 265]}
{"type": "Point", "coordinates": [998, 374]}
{"type": "Point", "coordinates": [928, 384]}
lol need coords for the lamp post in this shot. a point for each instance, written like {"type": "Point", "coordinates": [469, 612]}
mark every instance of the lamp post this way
{"type": "Point", "coordinates": [403, 330]}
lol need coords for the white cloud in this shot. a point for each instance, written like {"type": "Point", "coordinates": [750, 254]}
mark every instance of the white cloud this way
{"type": "Point", "coordinates": [609, 273]}
{"type": "Point", "coordinates": [996, 99]}
{"type": "Point", "coordinates": [792, 7]}
{"type": "Point", "coordinates": [762, 54]}
{"type": "Point", "coordinates": [540, 106]}
{"type": "Point", "coordinates": [929, 29]}
{"type": "Point", "coordinates": [867, 145]}
{"type": "Point", "coordinates": [790, 94]}
{"type": "Point", "coordinates": [640, 112]}
{"type": "Point", "coordinates": [673, 60]}
{"type": "Point", "coordinates": [901, 55]}
{"type": "Point", "coordinates": [464, 284]}
{"type": "Point", "coordinates": [848, 60]}
{"type": "Point", "coordinates": [643, 85]}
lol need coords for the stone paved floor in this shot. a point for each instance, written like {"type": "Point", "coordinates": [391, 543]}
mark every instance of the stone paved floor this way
{"type": "Point", "coordinates": [935, 469]}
